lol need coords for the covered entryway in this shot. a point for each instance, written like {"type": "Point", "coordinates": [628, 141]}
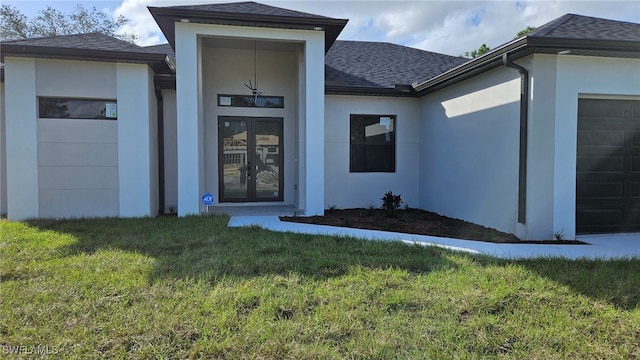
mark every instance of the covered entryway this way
{"type": "Point", "coordinates": [250, 159]}
{"type": "Point", "coordinates": [608, 166]}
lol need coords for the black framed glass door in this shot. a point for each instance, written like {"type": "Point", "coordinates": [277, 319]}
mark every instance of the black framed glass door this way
{"type": "Point", "coordinates": [250, 159]}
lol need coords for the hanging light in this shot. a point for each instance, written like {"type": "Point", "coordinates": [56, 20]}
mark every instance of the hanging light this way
{"type": "Point", "coordinates": [254, 86]}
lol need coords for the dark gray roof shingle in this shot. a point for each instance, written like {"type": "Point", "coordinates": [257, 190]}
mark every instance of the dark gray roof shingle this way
{"type": "Point", "coordinates": [572, 26]}
{"type": "Point", "coordinates": [162, 49]}
{"type": "Point", "coordinates": [378, 64]}
{"type": "Point", "coordinates": [247, 7]}
{"type": "Point", "coordinates": [90, 41]}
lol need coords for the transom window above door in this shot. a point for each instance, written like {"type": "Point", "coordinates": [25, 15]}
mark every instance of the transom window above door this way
{"type": "Point", "coordinates": [260, 101]}
{"type": "Point", "coordinates": [372, 143]}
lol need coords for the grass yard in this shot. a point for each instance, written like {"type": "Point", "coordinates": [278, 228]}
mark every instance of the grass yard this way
{"type": "Point", "coordinates": [191, 288]}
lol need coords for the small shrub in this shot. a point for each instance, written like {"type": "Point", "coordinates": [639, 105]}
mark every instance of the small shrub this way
{"type": "Point", "coordinates": [438, 229]}
{"type": "Point", "coordinates": [391, 203]}
{"type": "Point", "coordinates": [559, 235]}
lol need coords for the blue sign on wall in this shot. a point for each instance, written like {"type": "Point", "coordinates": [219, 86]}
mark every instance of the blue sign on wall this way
{"type": "Point", "coordinates": [207, 199]}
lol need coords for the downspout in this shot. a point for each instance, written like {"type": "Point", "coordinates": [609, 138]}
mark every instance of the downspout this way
{"type": "Point", "coordinates": [524, 120]}
{"type": "Point", "coordinates": [160, 111]}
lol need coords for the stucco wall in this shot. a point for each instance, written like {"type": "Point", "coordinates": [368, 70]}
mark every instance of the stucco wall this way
{"type": "Point", "coordinates": [21, 138]}
{"type": "Point", "coordinates": [346, 190]}
{"type": "Point", "coordinates": [77, 159]}
{"type": "Point", "coordinates": [136, 133]}
{"type": "Point", "coordinates": [469, 150]}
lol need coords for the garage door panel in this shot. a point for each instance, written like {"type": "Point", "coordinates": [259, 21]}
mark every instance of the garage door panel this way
{"type": "Point", "coordinates": [77, 154]}
{"type": "Point", "coordinates": [610, 139]}
{"type": "Point", "coordinates": [78, 177]}
{"type": "Point", "coordinates": [604, 163]}
{"type": "Point", "coordinates": [78, 203]}
{"type": "Point", "coordinates": [608, 166]}
{"type": "Point", "coordinates": [635, 138]}
{"type": "Point", "coordinates": [635, 190]}
{"type": "Point", "coordinates": [635, 215]}
{"type": "Point", "coordinates": [599, 190]}
{"type": "Point", "coordinates": [600, 217]}
{"type": "Point", "coordinates": [635, 164]}
{"type": "Point", "coordinates": [600, 109]}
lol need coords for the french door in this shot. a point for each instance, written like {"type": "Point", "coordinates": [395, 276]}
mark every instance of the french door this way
{"type": "Point", "coordinates": [250, 159]}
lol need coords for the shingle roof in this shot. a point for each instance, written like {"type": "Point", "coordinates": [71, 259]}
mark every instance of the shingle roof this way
{"type": "Point", "coordinates": [248, 7]}
{"type": "Point", "coordinates": [572, 26]}
{"type": "Point", "coordinates": [91, 46]}
{"type": "Point", "coordinates": [245, 14]}
{"type": "Point", "coordinates": [163, 49]}
{"type": "Point", "coordinates": [572, 34]}
{"type": "Point", "coordinates": [378, 64]}
{"type": "Point", "coordinates": [89, 41]}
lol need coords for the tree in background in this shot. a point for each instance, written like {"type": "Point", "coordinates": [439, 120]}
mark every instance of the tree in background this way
{"type": "Point", "coordinates": [483, 49]}
{"type": "Point", "coordinates": [525, 31]}
{"type": "Point", "coordinates": [14, 25]}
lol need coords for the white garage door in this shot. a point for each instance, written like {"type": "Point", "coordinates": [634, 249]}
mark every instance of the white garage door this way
{"type": "Point", "coordinates": [77, 168]}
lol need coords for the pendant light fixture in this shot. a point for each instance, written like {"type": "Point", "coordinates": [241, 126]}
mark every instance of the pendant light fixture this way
{"type": "Point", "coordinates": [254, 86]}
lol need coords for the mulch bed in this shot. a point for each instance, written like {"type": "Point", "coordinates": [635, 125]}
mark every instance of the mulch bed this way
{"type": "Point", "coordinates": [415, 221]}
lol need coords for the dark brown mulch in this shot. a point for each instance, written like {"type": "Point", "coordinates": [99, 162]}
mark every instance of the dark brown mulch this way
{"type": "Point", "coordinates": [414, 221]}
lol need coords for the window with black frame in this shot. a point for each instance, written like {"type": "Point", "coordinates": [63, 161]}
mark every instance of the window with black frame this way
{"type": "Point", "coordinates": [373, 143]}
{"type": "Point", "coordinates": [68, 108]}
{"type": "Point", "coordinates": [259, 101]}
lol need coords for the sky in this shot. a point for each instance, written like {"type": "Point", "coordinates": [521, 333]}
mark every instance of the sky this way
{"type": "Point", "coordinates": [448, 27]}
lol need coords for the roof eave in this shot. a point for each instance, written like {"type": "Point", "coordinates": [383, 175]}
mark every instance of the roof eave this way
{"type": "Point", "coordinates": [403, 91]}
{"type": "Point", "coordinates": [584, 44]}
{"type": "Point", "coordinates": [522, 47]}
{"type": "Point", "coordinates": [167, 17]}
{"type": "Point", "coordinates": [470, 68]}
{"type": "Point", "coordinates": [85, 54]}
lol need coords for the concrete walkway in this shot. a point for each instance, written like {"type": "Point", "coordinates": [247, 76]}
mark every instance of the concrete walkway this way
{"type": "Point", "coordinates": [600, 246]}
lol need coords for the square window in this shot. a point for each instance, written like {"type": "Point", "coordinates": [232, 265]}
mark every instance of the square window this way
{"type": "Point", "coordinates": [373, 143]}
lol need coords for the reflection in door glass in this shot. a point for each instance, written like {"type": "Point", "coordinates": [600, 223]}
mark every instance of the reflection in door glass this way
{"type": "Point", "coordinates": [234, 150]}
{"type": "Point", "coordinates": [267, 135]}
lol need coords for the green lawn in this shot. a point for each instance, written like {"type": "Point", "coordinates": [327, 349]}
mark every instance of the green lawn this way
{"type": "Point", "coordinates": [191, 287]}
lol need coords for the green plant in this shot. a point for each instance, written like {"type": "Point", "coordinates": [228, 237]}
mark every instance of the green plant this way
{"type": "Point", "coordinates": [368, 211]}
{"type": "Point", "coordinates": [439, 229]}
{"type": "Point", "coordinates": [172, 209]}
{"type": "Point", "coordinates": [332, 207]}
{"type": "Point", "coordinates": [489, 235]}
{"type": "Point", "coordinates": [559, 235]}
{"type": "Point", "coordinates": [391, 203]}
